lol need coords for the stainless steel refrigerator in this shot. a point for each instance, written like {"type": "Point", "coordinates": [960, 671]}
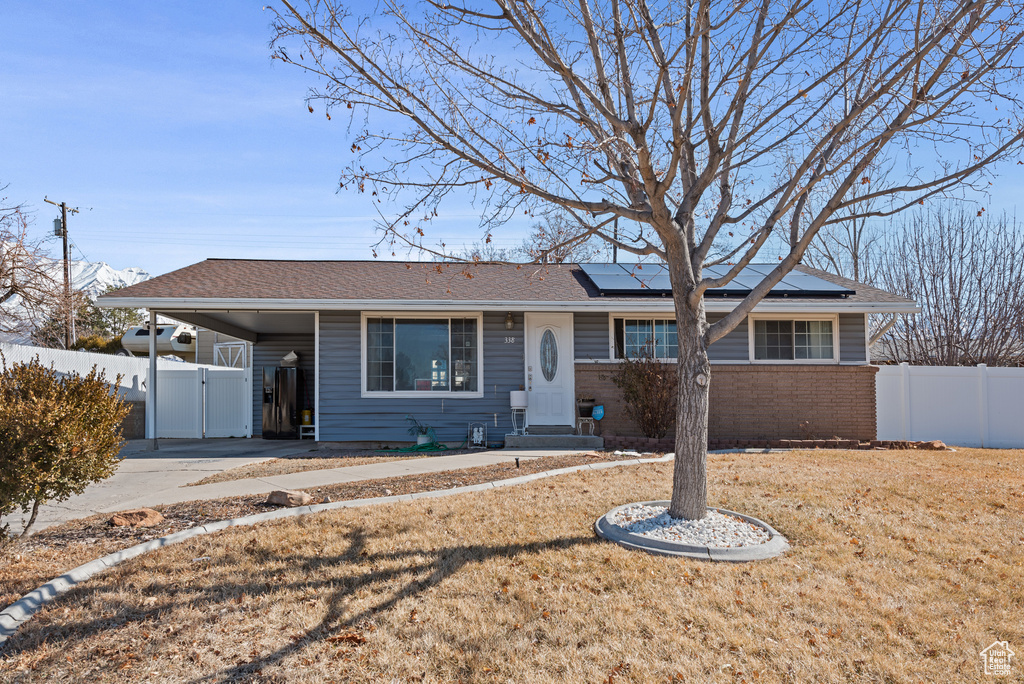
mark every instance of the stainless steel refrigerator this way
{"type": "Point", "coordinates": [282, 397]}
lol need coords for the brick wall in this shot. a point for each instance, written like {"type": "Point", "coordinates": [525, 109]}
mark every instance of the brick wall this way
{"type": "Point", "coordinates": [595, 379]}
{"type": "Point", "coordinates": [134, 424]}
{"type": "Point", "coordinates": [753, 401]}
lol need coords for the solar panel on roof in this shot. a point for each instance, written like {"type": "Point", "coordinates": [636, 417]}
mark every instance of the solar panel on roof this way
{"type": "Point", "coordinates": [622, 282]}
{"type": "Point", "coordinates": [602, 269]}
{"type": "Point", "coordinates": [629, 278]}
{"type": "Point", "coordinates": [744, 282]}
{"type": "Point", "coordinates": [652, 276]}
{"type": "Point", "coordinates": [639, 279]}
{"type": "Point", "coordinates": [659, 282]}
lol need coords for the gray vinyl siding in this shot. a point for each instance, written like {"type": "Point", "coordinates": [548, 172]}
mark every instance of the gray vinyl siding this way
{"type": "Point", "coordinates": [268, 351]}
{"type": "Point", "coordinates": [347, 416]}
{"type": "Point", "coordinates": [204, 346]}
{"type": "Point", "coordinates": [590, 335]}
{"type": "Point", "coordinates": [734, 346]}
{"type": "Point", "coordinates": [851, 338]}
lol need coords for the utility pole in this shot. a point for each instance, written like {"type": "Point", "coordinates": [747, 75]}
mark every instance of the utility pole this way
{"type": "Point", "coordinates": [69, 320]}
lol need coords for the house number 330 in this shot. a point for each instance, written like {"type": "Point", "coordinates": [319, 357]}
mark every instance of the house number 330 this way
{"type": "Point", "coordinates": [510, 340]}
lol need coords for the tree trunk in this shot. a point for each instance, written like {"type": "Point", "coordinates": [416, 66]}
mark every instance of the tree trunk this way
{"type": "Point", "coordinates": [32, 518]}
{"type": "Point", "coordinates": [689, 479]}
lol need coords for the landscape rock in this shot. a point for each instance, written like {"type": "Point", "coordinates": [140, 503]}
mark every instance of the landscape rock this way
{"type": "Point", "coordinates": [139, 517]}
{"type": "Point", "coordinates": [283, 497]}
{"type": "Point", "coordinates": [934, 445]}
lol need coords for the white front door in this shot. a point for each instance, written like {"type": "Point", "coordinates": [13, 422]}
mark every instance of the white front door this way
{"type": "Point", "coordinates": [550, 370]}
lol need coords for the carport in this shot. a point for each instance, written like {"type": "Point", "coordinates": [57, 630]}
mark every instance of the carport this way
{"type": "Point", "coordinates": [269, 334]}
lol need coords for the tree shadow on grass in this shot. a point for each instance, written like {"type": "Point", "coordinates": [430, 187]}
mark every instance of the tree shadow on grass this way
{"type": "Point", "coordinates": [418, 577]}
{"type": "Point", "coordinates": [418, 570]}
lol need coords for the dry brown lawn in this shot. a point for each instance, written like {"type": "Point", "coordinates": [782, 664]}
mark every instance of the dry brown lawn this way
{"type": "Point", "coordinates": [904, 566]}
{"type": "Point", "coordinates": [50, 552]}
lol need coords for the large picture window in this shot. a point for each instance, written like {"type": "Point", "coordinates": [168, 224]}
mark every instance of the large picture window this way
{"type": "Point", "coordinates": [794, 340]}
{"type": "Point", "coordinates": [632, 335]}
{"type": "Point", "coordinates": [422, 354]}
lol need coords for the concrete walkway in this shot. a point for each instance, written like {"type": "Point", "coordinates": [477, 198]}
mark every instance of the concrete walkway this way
{"type": "Point", "coordinates": [153, 478]}
{"type": "Point", "coordinates": [177, 462]}
{"type": "Point", "coordinates": [318, 478]}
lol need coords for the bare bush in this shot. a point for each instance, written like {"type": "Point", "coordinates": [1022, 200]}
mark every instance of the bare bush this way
{"type": "Point", "coordinates": [649, 388]}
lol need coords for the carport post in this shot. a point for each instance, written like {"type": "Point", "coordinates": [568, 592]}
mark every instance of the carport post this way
{"type": "Point", "coordinates": [151, 385]}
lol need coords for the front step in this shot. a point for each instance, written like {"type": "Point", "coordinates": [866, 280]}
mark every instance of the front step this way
{"type": "Point", "coordinates": [561, 441]}
{"type": "Point", "coordinates": [550, 430]}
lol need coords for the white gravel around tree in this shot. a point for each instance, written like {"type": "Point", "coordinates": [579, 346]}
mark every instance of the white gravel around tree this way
{"type": "Point", "coordinates": [716, 529]}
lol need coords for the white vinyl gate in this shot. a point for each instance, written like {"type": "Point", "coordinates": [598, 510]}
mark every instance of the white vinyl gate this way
{"type": "Point", "coordinates": [971, 406]}
{"type": "Point", "coordinates": [203, 402]}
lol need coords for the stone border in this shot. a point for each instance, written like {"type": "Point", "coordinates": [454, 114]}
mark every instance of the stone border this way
{"type": "Point", "coordinates": [19, 612]}
{"type": "Point", "coordinates": [776, 544]}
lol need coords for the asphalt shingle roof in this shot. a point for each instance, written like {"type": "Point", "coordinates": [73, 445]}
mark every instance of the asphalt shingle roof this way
{"type": "Point", "coordinates": [412, 281]}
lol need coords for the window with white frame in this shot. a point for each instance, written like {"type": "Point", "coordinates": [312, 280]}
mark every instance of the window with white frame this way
{"type": "Point", "coordinates": [793, 340]}
{"type": "Point", "coordinates": [633, 335]}
{"type": "Point", "coordinates": [424, 354]}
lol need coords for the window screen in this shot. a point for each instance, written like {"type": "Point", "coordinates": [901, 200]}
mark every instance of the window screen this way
{"type": "Point", "coordinates": [421, 355]}
{"type": "Point", "coordinates": [633, 335]}
{"type": "Point", "coordinates": [792, 340]}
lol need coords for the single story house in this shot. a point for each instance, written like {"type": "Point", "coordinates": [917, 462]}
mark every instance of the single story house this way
{"type": "Point", "coordinates": [448, 342]}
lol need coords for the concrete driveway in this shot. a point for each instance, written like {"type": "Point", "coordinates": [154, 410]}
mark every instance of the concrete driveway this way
{"type": "Point", "coordinates": [144, 473]}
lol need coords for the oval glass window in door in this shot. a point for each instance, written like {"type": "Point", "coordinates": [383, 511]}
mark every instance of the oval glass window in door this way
{"type": "Point", "coordinates": [548, 355]}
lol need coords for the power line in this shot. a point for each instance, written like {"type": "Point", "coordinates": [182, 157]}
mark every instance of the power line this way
{"type": "Point", "coordinates": [224, 239]}
{"type": "Point", "coordinates": [69, 326]}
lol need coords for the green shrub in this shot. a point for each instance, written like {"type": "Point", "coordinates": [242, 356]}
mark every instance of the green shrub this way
{"type": "Point", "coordinates": [98, 343]}
{"type": "Point", "coordinates": [649, 391]}
{"type": "Point", "coordinates": [58, 434]}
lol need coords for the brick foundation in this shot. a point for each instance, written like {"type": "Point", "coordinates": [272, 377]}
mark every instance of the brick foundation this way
{"type": "Point", "coordinates": [763, 402]}
{"type": "Point", "coordinates": [134, 424]}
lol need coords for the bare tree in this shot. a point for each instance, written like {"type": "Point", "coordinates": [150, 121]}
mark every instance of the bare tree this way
{"type": "Point", "coordinates": [487, 252]}
{"type": "Point", "coordinates": [27, 287]}
{"type": "Point", "coordinates": [848, 249]}
{"type": "Point", "coordinates": [711, 126]}
{"type": "Point", "coordinates": [966, 271]}
{"type": "Point", "coordinates": [50, 330]}
{"type": "Point", "coordinates": [851, 248]}
{"type": "Point", "coordinates": [556, 240]}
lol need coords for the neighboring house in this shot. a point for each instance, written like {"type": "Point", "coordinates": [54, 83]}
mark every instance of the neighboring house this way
{"type": "Point", "coordinates": [447, 342]}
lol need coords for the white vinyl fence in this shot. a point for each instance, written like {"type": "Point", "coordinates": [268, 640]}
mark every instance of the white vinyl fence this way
{"type": "Point", "coordinates": [133, 370]}
{"type": "Point", "coordinates": [966, 406]}
{"type": "Point", "coordinates": [193, 400]}
{"type": "Point", "coordinates": [203, 402]}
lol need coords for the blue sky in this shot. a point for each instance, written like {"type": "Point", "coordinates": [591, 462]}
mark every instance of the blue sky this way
{"type": "Point", "coordinates": [177, 136]}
